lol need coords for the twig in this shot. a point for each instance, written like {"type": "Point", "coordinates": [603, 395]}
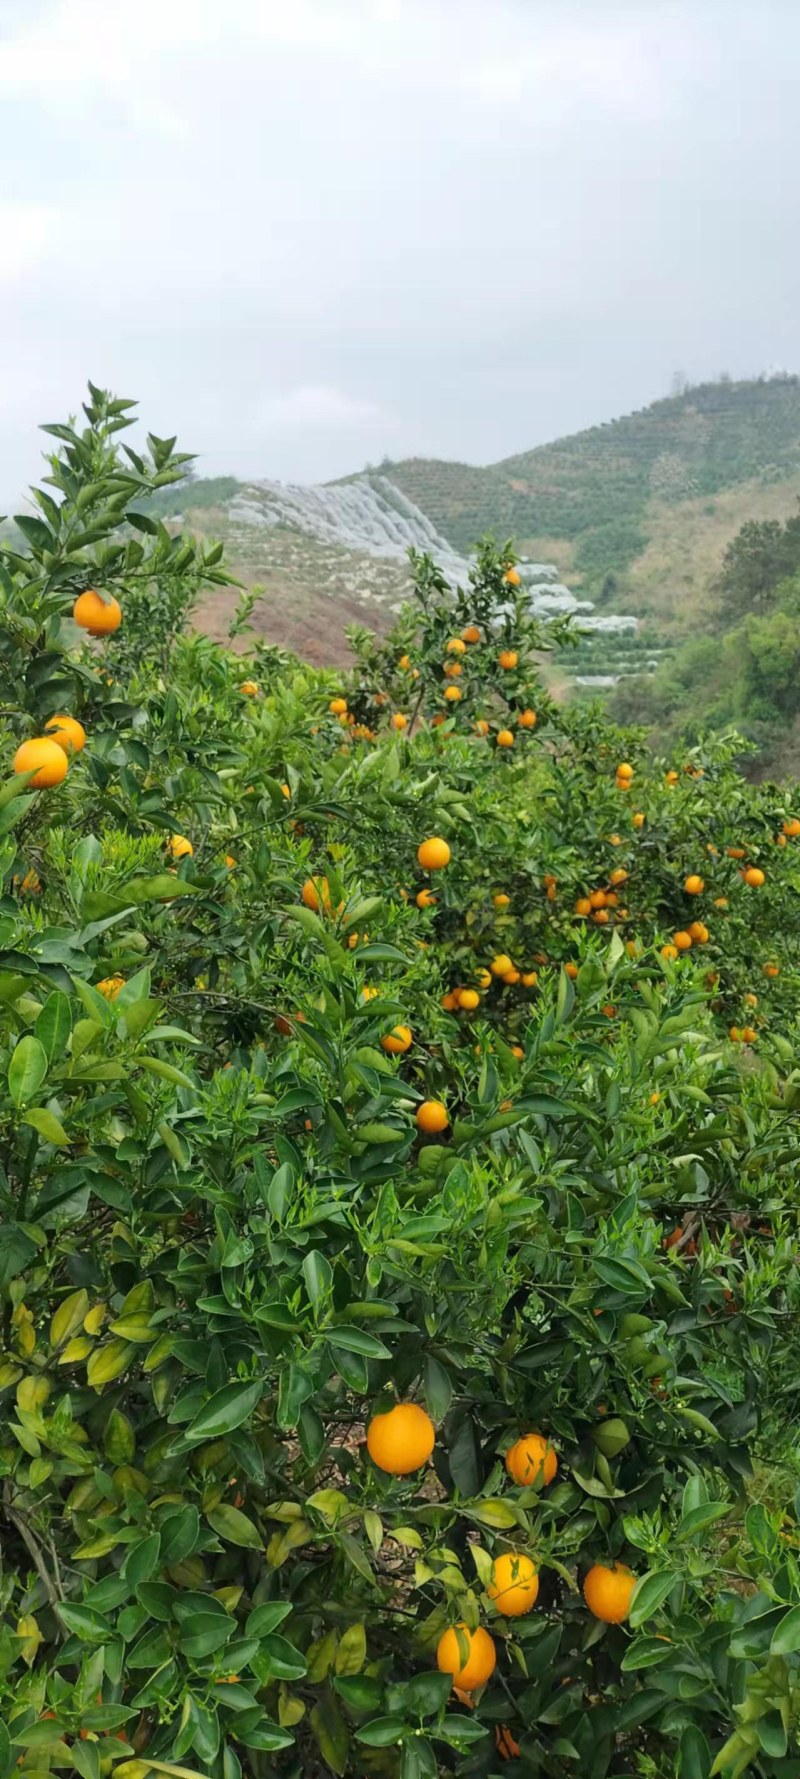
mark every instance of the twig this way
{"type": "Point", "coordinates": [53, 1591]}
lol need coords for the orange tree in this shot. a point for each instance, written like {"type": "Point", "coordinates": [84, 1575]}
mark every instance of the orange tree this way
{"type": "Point", "coordinates": [379, 1381]}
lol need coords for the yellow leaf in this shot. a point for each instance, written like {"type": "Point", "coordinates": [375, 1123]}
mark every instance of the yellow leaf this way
{"type": "Point", "coordinates": [32, 1393]}
{"type": "Point", "coordinates": [94, 1318]}
{"type": "Point", "coordinates": [108, 1362]}
{"type": "Point", "coordinates": [68, 1317]}
{"type": "Point", "coordinates": [76, 1349]}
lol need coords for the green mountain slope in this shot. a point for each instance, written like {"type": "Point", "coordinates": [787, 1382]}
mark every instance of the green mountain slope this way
{"type": "Point", "coordinates": [593, 502]}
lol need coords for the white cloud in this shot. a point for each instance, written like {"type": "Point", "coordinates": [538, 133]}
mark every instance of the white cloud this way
{"type": "Point", "coordinates": [27, 234]}
{"type": "Point", "coordinates": [315, 405]}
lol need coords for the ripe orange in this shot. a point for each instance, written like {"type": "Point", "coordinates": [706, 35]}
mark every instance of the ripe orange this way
{"type": "Point", "coordinates": [501, 900]}
{"type": "Point", "coordinates": [751, 1000]}
{"type": "Point", "coordinates": [734, 1033]}
{"type": "Point", "coordinates": [471, 634]}
{"type": "Point", "coordinates": [529, 978]}
{"type": "Point", "coordinates": [45, 759]}
{"type": "Point", "coordinates": [98, 613]}
{"type": "Point", "coordinates": [694, 885]}
{"type": "Point", "coordinates": [404, 662]}
{"type": "Point", "coordinates": [453, 669]}
{"type": "Point", "coordinates": [110, 986]}
{"type": "Point", "coordinates": [749, 1034]}
{"type": "Point", "coordinates": [338, 707]}
{"type": "Point", "coordinates": [736, 852]}
{"type": "Point", "coordinates": [512, 976]}
{"type": "Point", "coordinates": [792, 827]}
{"type": "Point", "coordinates": [514, 1584]}
{"type": "Point", "coordinates": [450, 1001]}
{"type": "Point", "coordinates": [624, 770]}
{"type": "Point", "coordinates": [608, 1592]}
{"type": "Point", "coordinates": [397, 1041]}
{"type": "Point", "coordinates": [721, 902]}
{"type": "Point", "coordinates": [432, 1117]}
{"type": "Point", "coordinates": [316, 895]}
{"type": "Point", "coordinates": [401, 1440]}
{"type": "Point", "coordinates": [601, 916]}
{"type": "Point", "coordinates": [67, 732]}
{"type": "Point", "coordinates": [527, 719]}
{"type": "Point", "coordinates": [456, 646]}
{"type": "Point", "coordinates": [771, 969]}
{"type": "Point", "coordinates": [754, 876]}
{"type": "Point", "coordinates": [505, 738]}
{"type": "Point", "coordinates": [469, 999]}
{"type": "Point", "coordinates": [433, 854]}
{"type": "Point", "coordinates": [180, 847]}
{"type": "Point", "coordinates": [452, 694]}
{"type": "Point", "coordinates": [507, 659]}
{"type": "Point", "coordinates": [531, 1460]}
{"type": "Point", "coordinates": [682, 940]}
{"type": "Point", "coordinates": [571, 970]}
{"type": "Point", "coordinates": [512, 575]}
{"type": "Point", "coordinates": [618, 876]}
{"type": "Point", "coordinates": [481, 727]}
{"type": "Point", "coordinates": [583, 905]}
{"type": "Point", "coordinates": [249, 688]}
{"type": "Point", "coordinates": [639, 819]}
{"type": "Point", "coordinates": [500, 964]}
{"type": "Point", "coordinates": [230, 861]}
{"type": "Point", "coordinates": [699, 932]}
{"type": "Point", "coordinates": [425, 898]}
{"type": "Point", "coordinates": [672, 776]}
{"type": "Point", "coordinates": [470, 1656]}
{"type": "Point", "coordinates": [399, 721]}
{"type": "Point", "coordinates": [670, 952]}
{"type": "Point", "coordinates": [597, 899]}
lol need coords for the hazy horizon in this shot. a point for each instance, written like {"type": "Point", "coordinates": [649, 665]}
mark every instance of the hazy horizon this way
{"type": "Point", "coordinates": [305, 238]}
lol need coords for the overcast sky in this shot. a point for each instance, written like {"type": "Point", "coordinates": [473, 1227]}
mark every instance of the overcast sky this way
{"type": "Point", "coordinates": [305, 233]}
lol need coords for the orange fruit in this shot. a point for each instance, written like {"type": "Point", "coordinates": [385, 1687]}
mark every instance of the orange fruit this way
{"type": "Point", "coordinates": [527, 719]}
{"type": "Point", "coordinates": [401, 1440]}
{"type": "Point", "coordinates": [316, 895]}
{"type": "Point", "coordinates": [512, 976]}
{"type": "Point", "coordinates": [452, 694]}
{"type": "Point", "coordinates": [571, 970]}
{"type": "Point", "coordinates": [512, 575]}
{"type": "Point", "coordinates": [432, 1117]}
{"type": "Point", "coordinates": [453, 669]}
{"type": "Point", "coordinates": [618, 876]}
{"type": "Point", "coordinates": [483, 978]}
{"type": "Point", "coordinates": [517, 1051]}
{"type": "Point", "coordinates": [721, 902]}
{"type": "Point", "coordinates": [450, 1001]}
{"type": "Point", "coordinates": [249, 688]}
{"type": "Point", "coordinates": [505, 738]}
{"type": "Point", "coordinates": [672, 776]}
{"type": "Point", "coordinates": [734, 1033]}
{"type": "Point", "coordinates": [514, 1584]}
{"type": "Point", "coordinates": [67, 732]}
{"type": "Point", "coordinates": [751, 1000]}
{"type": "Point", "coordinates": [771, 969]}
{"type": "Point", "coordinates": [470, 1656]}
{"type": "Point", "coordinates": [455, 646]}
{"type": "Point", "coordinates": [471, 634]}
{"type": "Point", "coordinates": [500, 964]}
{"type": "Point", "coordinates": [597, 899]}
{"type": "Point", "coordinates": [639, 819]}
{"type": "Point", "coordinates": [749, 1034]}
{"type": "Point", "coordinates": [694, 885]}
{"type": "Point", "coordinates": [531, 1460]}
{"type": "Point", "coordinates": [110, 987]}
{"type": "Point", "coordinates": [404, 662]}
{"type": "Point", "coordinates": [100, 614]}
{"type": "Point", "coordinates": [699, 932]}
{"type": "Point", "coordinates": [682, 941]}
{"type": "Point", "coordinates": [624, 770]}
{"type": "Point", "coordinates": [507, 659]}
{"type": "Point", "coordinates": [501, 900]}
{"type": "Point", "coordinates": [529, 978]}
{"type": "Point", "coordinates": [425, 898]}
{"type": "Point", "coordinates": [608, 1592]}
{"type": "Point", "coordinates": [433, 854]}
{"type": "Point", "coordinates": [399, 721]}
{"type": "Point", "coordinates": [180, 847]}
{"type": "Point", "coordinates": [583, 905]}
{"type": "Point", "coordinates": [230, 861]}
{"type": "Point", "coordinates": [45, 759]}
{"type": "Point", "coordinates": [601, 916]}
{"type": "Point", "coordinates": [670, 952]}
{"type": "Point", "coordinates": [397, 1041]}
{"type": "Point", "coordinates": [481, 727]}
{"type": "Point", "coordinates": [338, 707]}
{"type": "Point", "coordinates": [792, 827]}
{"type": "Point", "coordinates": [654, 1098]}
{"type": "Point", "coordinates": [469, 999]}
{"type": "Point", "coordinates": [754, 876]}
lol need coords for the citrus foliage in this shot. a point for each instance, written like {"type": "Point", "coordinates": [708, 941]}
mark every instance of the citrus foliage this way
{"type": "Point", "coordinates": [341, 1158]}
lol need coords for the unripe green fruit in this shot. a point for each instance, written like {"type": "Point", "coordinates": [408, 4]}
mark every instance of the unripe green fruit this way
{"type": "Point", "coordinates": [611, 1437]}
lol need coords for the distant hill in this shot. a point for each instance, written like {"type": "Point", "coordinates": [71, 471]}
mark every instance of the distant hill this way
{"type": "Point", "coordinates": [634, 513]}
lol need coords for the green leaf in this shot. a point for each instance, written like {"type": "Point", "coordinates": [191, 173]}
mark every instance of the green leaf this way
{"type": "Point", "coordinates": [649, 1595]}
{"type": "Point", "coordinates": [354, 1340]}
{"type": "Point", "coordinates": [318, 1275]}
{"type": "Point", "coordinates": [165, 1070]}
{"type": "Point", "coordinates": [224, 1411]}
{"type": "Point", "coordinates": [786, 1636]}
{"type": "Point", "coordinates": [352, 1651]}
{"type": "Point", "coordinates": [48, 1126]}
{"type": "Point", "coordinates": [382, 1732]}
{"type": "Point", "coordinates": [235, 1527]}
{"type": "Point", "coordinates": [86, 1624]}
{"type": "Point", "coordinates": [53, 1025]}
{"type": "Point", "coordinates": [497, 1514]}
{"type": "Point", "coordinates": [438, 1388]}
{"type": "Point", "coordinates": [26, 1070]}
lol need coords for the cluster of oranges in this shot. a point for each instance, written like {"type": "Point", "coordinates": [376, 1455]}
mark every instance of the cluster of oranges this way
{"type": "Point", "coordinates": [47, 756]}
{"type": "Point", "coordinates": [603, 905]}
{"type": "Point", "coordinates": [399, 1443]}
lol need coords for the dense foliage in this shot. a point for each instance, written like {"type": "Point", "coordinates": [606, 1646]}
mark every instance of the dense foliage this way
{"type": "Point", "coordinates": [234, 1232]}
